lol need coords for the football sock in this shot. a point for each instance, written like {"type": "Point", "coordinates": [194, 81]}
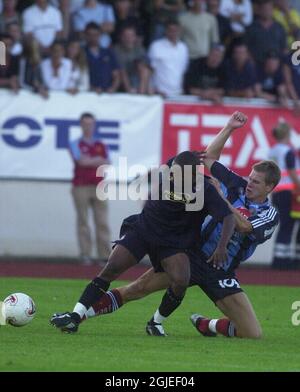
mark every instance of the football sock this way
{"type": "Point", "coordinates": [108, 303]}
{"type": "Point", "coordinates": [223, 326]}
{"type": "Point", "coordinates": [169, 303]}
{"type": "Point", "coordinates": [226, 327]}
{"type": "Point", "coordinates": [80, 309]}
{"type": "Point", "coordinates": [158, 318]}
{"type": "Point", "coordinates": [93, 292]}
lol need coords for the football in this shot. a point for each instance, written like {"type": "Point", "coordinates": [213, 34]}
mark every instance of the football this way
{"type": "Point", "coordinates": [18, 309]}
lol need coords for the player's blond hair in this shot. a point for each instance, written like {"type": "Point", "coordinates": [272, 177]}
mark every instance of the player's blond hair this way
{"type": "Point", "coordinates": [271, 171]}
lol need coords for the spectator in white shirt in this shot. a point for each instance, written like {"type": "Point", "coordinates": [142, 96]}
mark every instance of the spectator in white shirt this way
{"type": "Point", "coordinates": [43, 22]}
{"type": "Point", "coordinates": [57, 70]}
{"type": "Point", "coordinates": [80, 76]}
{"type": "Point", "coordinates": [169, 60]}
{"type": "Point", "coordinates": [239, 12]}
{"type": "Point", "coordinates": [14, 31]}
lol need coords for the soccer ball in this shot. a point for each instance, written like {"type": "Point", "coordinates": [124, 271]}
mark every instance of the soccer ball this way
{"type": "Point", "coordinates": [19, 309]}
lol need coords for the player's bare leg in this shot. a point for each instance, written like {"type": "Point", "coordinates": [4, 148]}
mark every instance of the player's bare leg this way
{"type": "Point", "coordinates": [146, 284]}
{"type": "Point", "coordinates": [239, 310]}
{"type": "Point", "coordinates": [241, 320]}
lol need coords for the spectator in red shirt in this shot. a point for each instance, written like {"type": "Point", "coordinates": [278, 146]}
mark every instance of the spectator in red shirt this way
{"type": "Point", "coordinates": [88, 154]}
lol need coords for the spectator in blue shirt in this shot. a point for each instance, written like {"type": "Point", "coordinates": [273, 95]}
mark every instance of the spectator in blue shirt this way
{"type": "Point", "coordinates": [104, 70]}
{"type": "Point", "coordinates": [240, 75]}
{"type": "Point", "coordinates": [270, 84]}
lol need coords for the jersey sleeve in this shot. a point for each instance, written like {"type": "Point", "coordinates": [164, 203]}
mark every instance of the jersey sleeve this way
{"type": "Point", "coordinates": [214, 204]}
{"type": "Point", "coordinates": [75, 150]}
{"type": "Point", "coordinates": [227, 177]}
{"type": "Point", "coordinates": [264, 224]}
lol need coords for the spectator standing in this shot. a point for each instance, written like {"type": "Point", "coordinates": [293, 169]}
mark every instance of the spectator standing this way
{"type": "Point", "coordinates": [79, 80]}
{"type": "Point", "coordinates": [126, 17]}
{"type": "Point", "coordinates": [8, 15]}
{"type": "Point", "coordinates": [295, 4]}
{"type": "Point", "coordinates": [206, 78]}
{"type": "Point", "coordinates": [135, 71]}
{"type": "Point", "coordinates": [13, 29]}
{"type": "Point", "coordinates": [57, 69]}
{"type": "Point", "coordinates": [88, 154]}
{"type": "Point", "coordinates": [42, 22]}
{"type": "Point", "coordinates": [104, 70]}
{"type": "Point", "coordinates": [30, 76]}
{"type": "Point", "coordinates": [291, 72]}
{"type": "Point", "coordinates": [286, 158]}
{"type": "Point", "coordinates": [240, 73]}
{"type": "Point", "coordinates": [270, 83]}
{"type": "Point", "coordinates": [163, 11]}
{"type": "Point", "coordinates": [239, 12]}
{"type": "Point", "coordinates": [100, 13]}
{"type": "Point", "coordinates": [199, 30]}
{"type": "Point", "coordinates": [169, 61]}
{"type": "Point", "coordinates": [265, 34]}
{"type": "Point", "coordinates": [289, 19]}
{"type": "Point", "coordinates": [10, 71]}
{"type": "Point", "coordinates": [225, 31]}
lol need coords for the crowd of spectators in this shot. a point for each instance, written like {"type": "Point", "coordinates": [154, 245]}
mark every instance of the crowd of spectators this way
{"type": "Point", "coordinates": [206, 48]}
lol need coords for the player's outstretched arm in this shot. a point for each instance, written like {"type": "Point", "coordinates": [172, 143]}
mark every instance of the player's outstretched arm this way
{"type": "Point", "coordinates": [214, 149]}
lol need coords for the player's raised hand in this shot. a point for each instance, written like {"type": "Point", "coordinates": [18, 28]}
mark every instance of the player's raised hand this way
{"type": "Point", "coordinates": [237, 120]}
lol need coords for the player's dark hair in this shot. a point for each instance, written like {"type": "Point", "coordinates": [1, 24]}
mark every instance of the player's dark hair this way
{"type": "Point", "coordinates": [271, 171]}
{"type": "Point", "coordinates": [187, 158]}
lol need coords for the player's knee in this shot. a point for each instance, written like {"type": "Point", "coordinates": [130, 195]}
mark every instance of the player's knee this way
{"type": "Point", "coordinates": [179, 287]}
{"type": "Point", "coordinates": [183, 280]}
{"type": "Point", "coordinates": [256, 334]}
{"type": "Point", "coordinates": [253, 333]}
{"type": "Point", "coordinates": [110, 272]}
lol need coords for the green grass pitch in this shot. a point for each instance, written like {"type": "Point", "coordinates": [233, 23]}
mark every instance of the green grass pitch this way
{"type": "Point", "coordinates": [118, 342]}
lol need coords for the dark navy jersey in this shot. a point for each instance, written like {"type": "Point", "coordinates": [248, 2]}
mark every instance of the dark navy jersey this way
{"type": "Point", "coordinates": [264, 219]}
{"type": "Point", "coordinates": [168, 223]}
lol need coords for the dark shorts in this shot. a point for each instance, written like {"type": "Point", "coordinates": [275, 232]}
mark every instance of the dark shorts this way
{"type": "Point", "coordinates": [216, 284]}
{"type": "Point", "coordinates": [139, 247]}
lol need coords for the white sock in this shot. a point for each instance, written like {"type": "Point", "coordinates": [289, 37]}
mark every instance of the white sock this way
{"type": "Point", "coordinates": [80, 309]}
{"type": "Point", "coordinates": [212, 325]}
{"type": "Point", "coordinates": [158, 318]}
{"type": "Point", "coordinates": [90, 313]}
